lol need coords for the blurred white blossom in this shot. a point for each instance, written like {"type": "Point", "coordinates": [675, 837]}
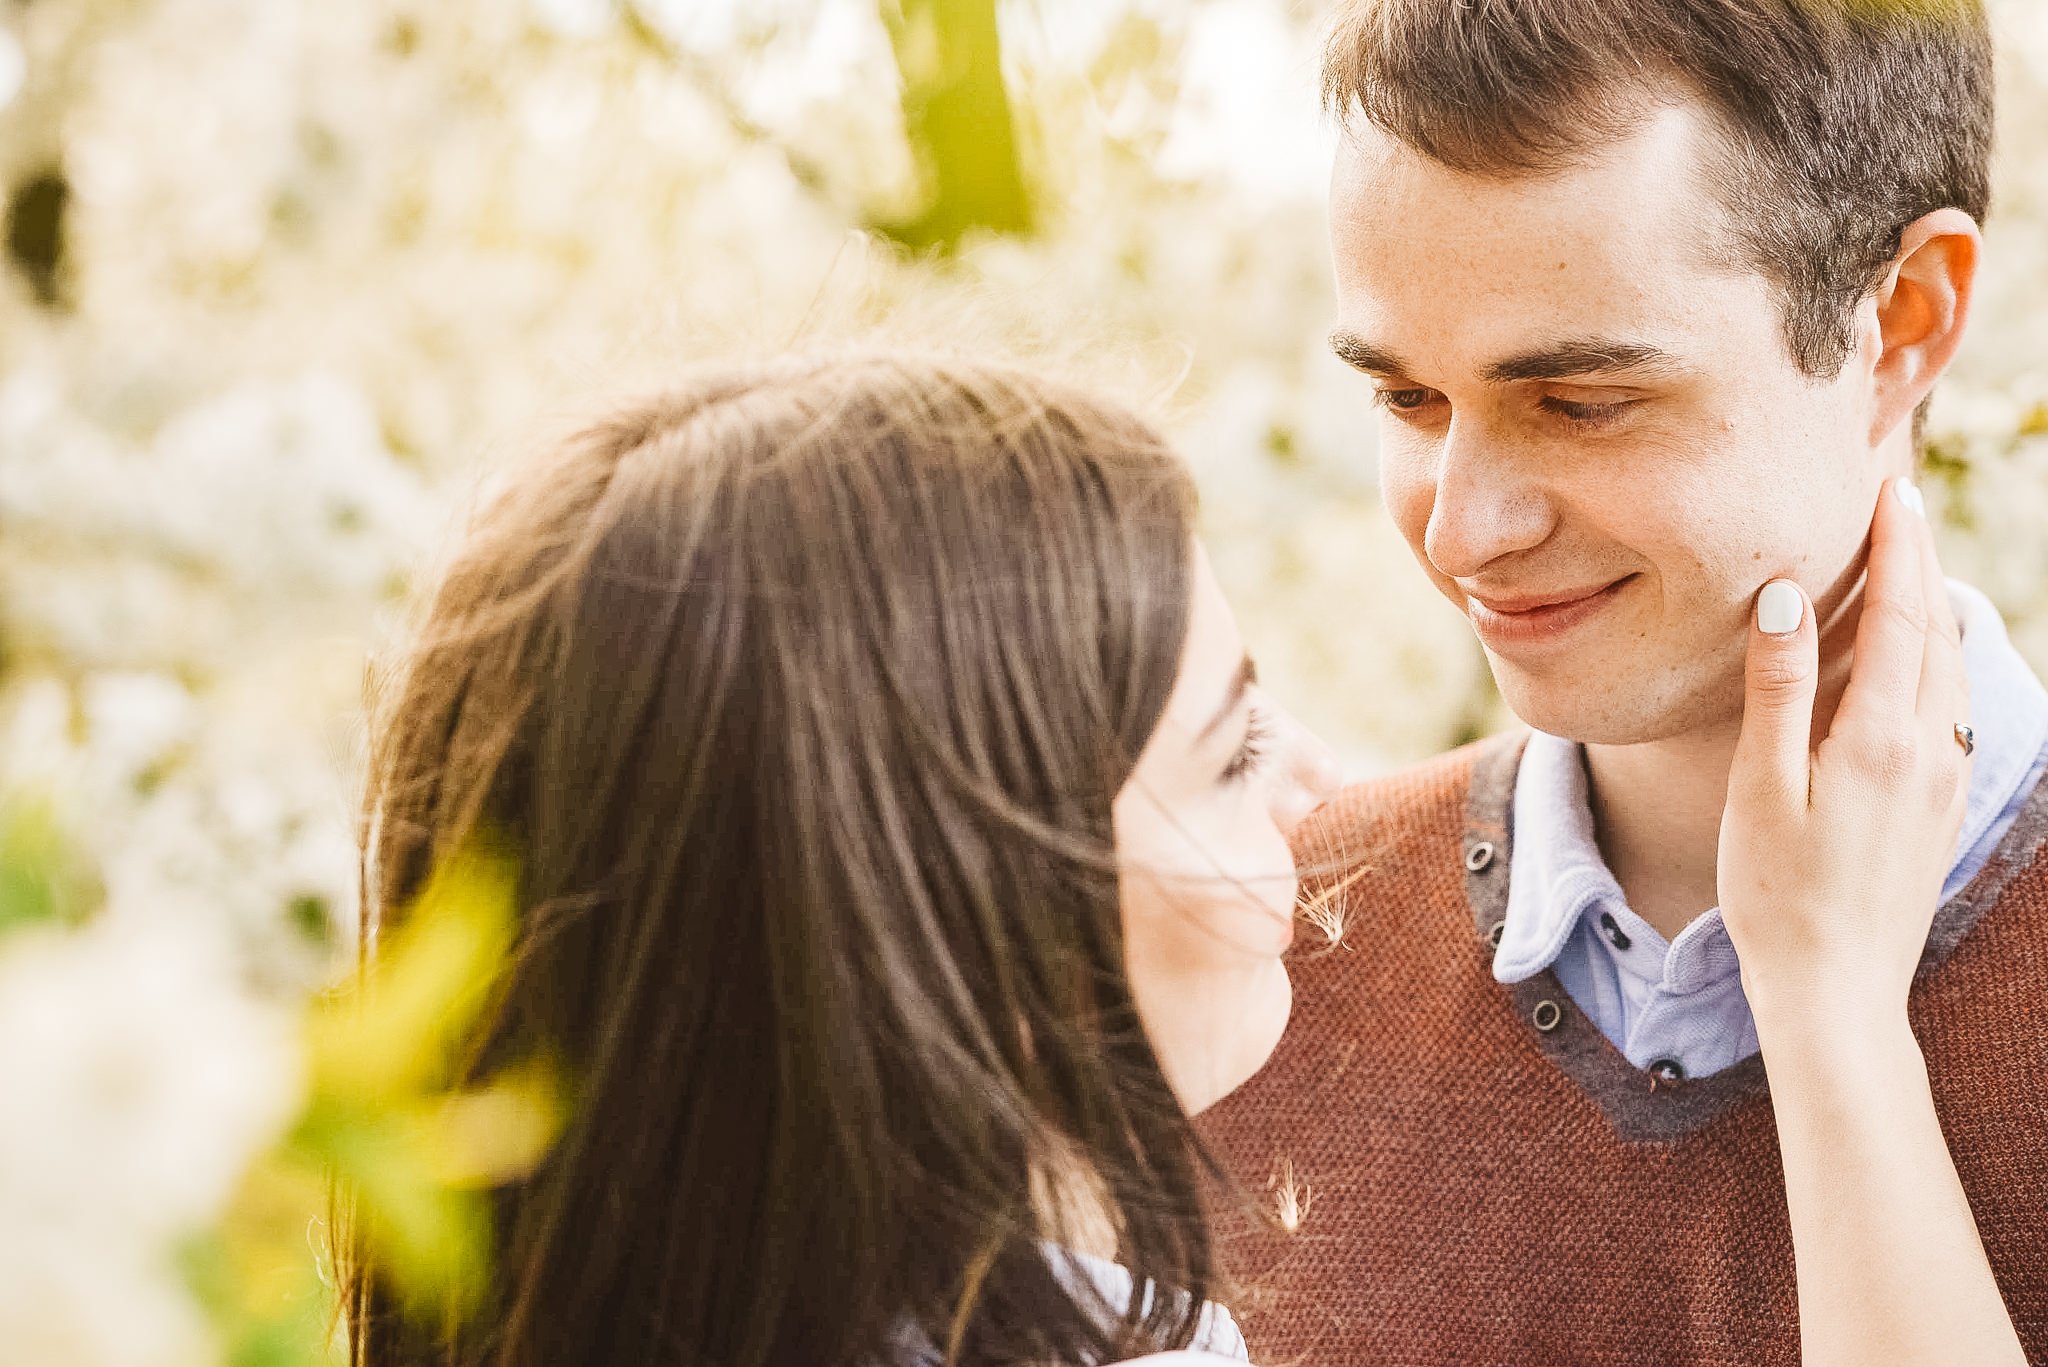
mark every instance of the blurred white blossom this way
{"type": "Point", "coordinates": [13, 67]}
{"type": "Point", "coordinates": [141, 1076]}
{"type": "Point", "coordinates": [576, 18]}
{"type": "Point", "coordinates": [87, 1301]}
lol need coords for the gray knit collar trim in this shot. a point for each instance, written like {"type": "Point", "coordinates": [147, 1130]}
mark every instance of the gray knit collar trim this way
{"type": "Point", "coordinates": [1640, 1106]}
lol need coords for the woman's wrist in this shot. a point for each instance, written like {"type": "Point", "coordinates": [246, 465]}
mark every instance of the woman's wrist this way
{"type": "Point", "coordinates": [1829, 999]}
{"type": "Point", "coordinates": [1836, 1048]}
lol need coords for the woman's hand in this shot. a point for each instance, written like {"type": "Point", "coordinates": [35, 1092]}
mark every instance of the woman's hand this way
{"type": "Point", "coordinates": [1832, 861]}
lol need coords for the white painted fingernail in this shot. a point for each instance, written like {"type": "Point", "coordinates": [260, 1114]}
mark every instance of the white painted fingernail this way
{"type": "Point", "coordinates": [1909, 494]}
{"type": "Point", "coordinates": [1779, 608]}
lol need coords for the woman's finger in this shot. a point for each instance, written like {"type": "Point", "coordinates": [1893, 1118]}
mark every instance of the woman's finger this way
{"type": "Point", "coordinates": [1891, 638]}
{"type": "Point", "coordinates": [1772, 756]}
{"type": "Point", "coordinates": [1944, 688]}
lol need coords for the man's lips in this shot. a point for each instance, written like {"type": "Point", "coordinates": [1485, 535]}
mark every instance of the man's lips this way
{"type": "Point", "coordinates": [1528, 603]}
{"type": "Point", "coordinates": [1503, 619]}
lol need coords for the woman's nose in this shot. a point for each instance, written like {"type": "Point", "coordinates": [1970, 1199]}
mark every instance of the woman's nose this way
{"type": "Point", "coordinates": [1308, 774]}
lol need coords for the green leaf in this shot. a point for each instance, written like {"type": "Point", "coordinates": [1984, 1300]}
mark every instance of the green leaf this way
{"type": "Point", "coordinates": [431, 978]}
{"type": "Point", "coordinates": [42, 876]}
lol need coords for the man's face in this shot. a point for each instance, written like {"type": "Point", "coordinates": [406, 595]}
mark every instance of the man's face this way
{"type": "Point", "coordinates": [1592, 434]}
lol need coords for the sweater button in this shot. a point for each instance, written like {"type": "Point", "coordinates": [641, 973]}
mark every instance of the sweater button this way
{"type": "Point", "coordinates": [1668, 1070]}
{"type": "Point", "coordinates": [1546, 1016]}
{"type": "Point", "coordinates": [1479, 856]}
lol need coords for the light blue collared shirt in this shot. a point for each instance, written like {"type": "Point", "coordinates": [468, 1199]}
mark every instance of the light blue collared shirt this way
{"type": "Point", "coordinates": [1680, 1002]}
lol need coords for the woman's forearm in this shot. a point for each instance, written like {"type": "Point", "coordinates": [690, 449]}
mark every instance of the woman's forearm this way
{"type": "Point", "coordinates": [1890, 1266]}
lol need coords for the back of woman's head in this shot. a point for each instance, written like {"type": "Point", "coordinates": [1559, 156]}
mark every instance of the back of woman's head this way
{"type": "Point", "coordinates": [802, 693]}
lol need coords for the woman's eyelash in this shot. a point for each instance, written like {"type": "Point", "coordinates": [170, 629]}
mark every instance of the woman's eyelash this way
{"type": "Point", "coordinates": [1251, 750]}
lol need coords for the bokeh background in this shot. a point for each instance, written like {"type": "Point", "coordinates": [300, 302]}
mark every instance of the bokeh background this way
{"type": "Point", "coordinates": [285, 280]}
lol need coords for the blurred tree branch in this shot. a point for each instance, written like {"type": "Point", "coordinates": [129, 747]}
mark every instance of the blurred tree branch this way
{"type": "Point", "coordinates": [956, 115]}
{"type": "Point", "coordinates": [956, 112]}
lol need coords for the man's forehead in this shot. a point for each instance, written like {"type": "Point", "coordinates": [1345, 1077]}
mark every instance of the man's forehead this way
{"type": "Point", "coordinates": [1643, 199]}
{"type": "Point", "coordinates": [1616, 265]}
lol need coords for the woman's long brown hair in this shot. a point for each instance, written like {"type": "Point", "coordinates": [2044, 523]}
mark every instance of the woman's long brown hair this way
{"type": "Point", "coordinates": [802, 693]}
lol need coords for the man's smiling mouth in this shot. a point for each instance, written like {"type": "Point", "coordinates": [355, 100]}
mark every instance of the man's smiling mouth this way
{"type": "Point", "coordinates": [1505, 621]}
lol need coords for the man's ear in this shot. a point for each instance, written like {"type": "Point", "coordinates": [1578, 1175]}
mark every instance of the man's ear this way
{"type": "Point", "coordinates": [1923, 305]}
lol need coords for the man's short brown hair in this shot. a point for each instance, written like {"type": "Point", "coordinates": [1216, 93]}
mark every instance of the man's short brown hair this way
{"type": "Point", "coordinates": [1843, 120]}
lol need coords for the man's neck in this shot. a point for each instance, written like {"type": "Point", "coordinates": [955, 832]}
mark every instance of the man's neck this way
{"type": "Point", "coordinates": [1657, 806]}
{"type": "Point", "coordinates": [1657, 815]}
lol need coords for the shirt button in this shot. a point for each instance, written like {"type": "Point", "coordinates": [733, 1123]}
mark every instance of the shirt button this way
{"type": "Point", "coordinates": [1668, 1070]}
{"type": "Point", "coordinates": [1479, 856]}
{"type": "Point", "coordinates": [1616, 936]}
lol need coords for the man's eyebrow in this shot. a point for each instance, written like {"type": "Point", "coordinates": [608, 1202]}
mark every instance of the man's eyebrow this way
{"type": "Point", "coordinates": [1354, 351]}
{"type": "Point", "coordinates": [1581, 356]}
{"type": "Point", "coordinates": [1558, 361]}
{"type": "Point", "coordinates": [1247, 675]}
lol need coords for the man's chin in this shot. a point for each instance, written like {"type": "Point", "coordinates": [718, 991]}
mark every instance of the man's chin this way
{"type": "Point", "coordinates": [1594, 710]}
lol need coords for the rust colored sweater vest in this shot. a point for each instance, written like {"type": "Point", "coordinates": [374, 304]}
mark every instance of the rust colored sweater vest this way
{"type": "Point", "coordinates": [1473, 1174]}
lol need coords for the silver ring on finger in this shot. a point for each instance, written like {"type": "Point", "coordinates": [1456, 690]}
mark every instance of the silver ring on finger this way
{"type": "Point", "coordinates": [1967, 738]}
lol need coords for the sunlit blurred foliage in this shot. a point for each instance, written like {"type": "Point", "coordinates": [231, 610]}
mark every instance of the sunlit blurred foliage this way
{"type": "Point", "coordinates": [41, 877]}
{"type": "Point", "coordinates": [179, 1148]}
{"type": "Point", "coordinates": [413, 1153]}
{"type": "Point", "coordinates": [387, 1114]}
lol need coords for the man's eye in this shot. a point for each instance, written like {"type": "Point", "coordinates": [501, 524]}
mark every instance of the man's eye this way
{"type": "Point", "coordinates": [1586, 414]}
{"type": "Point", "coordinates": [1403, 400]}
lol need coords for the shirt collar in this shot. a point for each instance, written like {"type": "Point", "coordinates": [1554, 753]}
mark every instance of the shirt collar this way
{"type": "Point", "coordinates": [1557, 874]}
{"type": "Point", "coordinates": [1557, 871]}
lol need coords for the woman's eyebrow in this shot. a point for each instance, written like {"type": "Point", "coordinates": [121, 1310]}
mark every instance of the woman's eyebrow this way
{"type": "Point", "coordinates": [1247, 675]}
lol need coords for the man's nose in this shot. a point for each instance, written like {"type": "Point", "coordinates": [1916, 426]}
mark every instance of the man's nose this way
{"type": "Point", "coordinates": [1484, 505]}
{"type": "Point", "coordinates": [1307, 776]}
